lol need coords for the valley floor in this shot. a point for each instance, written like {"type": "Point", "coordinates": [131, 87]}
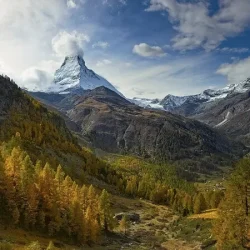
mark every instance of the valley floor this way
{"type": "Point", "coordinates": [159, 228]}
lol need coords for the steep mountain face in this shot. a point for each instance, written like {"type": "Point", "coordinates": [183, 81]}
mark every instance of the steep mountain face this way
{"type": "Point", "coordinates": [227, 109]}
{"type": "Point", "coordinates": [195, 104]}
{"type": "Point", "coordinates": [147, 103]}
{"type": "Point", "coordinates": [113, 124]}
{"type": "Point", "coordinates": [74, 76]}
{"type": "Point", "coordinates": [230, 115]}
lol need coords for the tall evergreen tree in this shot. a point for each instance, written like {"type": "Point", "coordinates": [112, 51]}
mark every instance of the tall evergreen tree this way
{"type": "Point", "coordinates": [231, 228]}
{"type": "Point", "coordinates": [199, 203]}
{"type": "Point", "coordinates": [106, 216]}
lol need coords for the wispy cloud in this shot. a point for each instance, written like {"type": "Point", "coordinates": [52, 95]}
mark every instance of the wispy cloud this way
{"type": "Point", "coordinates": [146, 50]}
{"type": "Point", "coordinates": [71, 4]}
{"type": "Point", "coordinates": [103, 62]}
{"type": "Point", "coordinates": [27, 28]}
{"type": "Point", "coordinates": [233, 50]}
{"type": "Point", "coordinates": [197, 28]}
{"type": "Point", "coordinates": [177, 76]}
{"type": "Point", "coordinates": [110, 2]}
{"type": "Point", "coordinates": [236, 71]}
{"type": "Point", "coordinates": [101, 44]}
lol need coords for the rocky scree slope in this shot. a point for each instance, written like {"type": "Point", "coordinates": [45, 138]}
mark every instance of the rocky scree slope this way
{"type": "Point", "coordinates": [231, 116]}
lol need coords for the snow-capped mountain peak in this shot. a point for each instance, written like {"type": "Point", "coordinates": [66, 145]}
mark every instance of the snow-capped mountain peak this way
{"type": "Point", "coordinates": [239, 87]}
{"type": "Point", "coordinates": [171, 102]}
{"type": "Point", "coordinates": [73, 75]}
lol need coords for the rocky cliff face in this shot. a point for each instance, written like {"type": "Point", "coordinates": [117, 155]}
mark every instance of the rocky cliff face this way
{"type": "Point", "coordinates": [230, 115]}
{"type": "Point", "coordinates": [227, 110]}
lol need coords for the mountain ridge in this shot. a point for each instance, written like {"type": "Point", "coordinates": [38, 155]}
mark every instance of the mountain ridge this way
{"type": "Point", "coordinates": [174, 103]}
{"type": "Point", "coordinates": [111, 123]}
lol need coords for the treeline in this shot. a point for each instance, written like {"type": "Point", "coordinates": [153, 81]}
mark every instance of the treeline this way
{"type": "Point", "coordinates": [36, 197]}
{"type": "Point", "coordinates": [161, 185]}
{"type": "Point", "coordinates": [232, 228]}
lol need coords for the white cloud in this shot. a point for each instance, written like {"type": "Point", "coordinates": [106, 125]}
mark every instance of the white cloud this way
{"type": "Point", "coordinates": [74, 4]}
{"type": "Point", "coordinates": [36, 79]}
{"type": "Point", "coordinates": [124, 2]}
{"type": "Point", "coordinates": [71, 4]}
{"type": "Point", "coordinates": [101, 44]}
{"type": "Point", "coordinates": [146, 50]}
{"type": "Point", "coordinates": [73, 43]}
{"type": "Point", "coordinates": [40, 77]}
{"type": "Point", "coordinates": [111, 2]}
{"type": "Point", "coordinates": [23, 17]}
{"type": "Point", "coordinates": [167, 46]}
{"type": "Point", "coordinates": [103, 62]}
{"type": "Point", "coordinates": [5, 70]}
{"type": "Point", "coordinates": [236, 71]}
{"type": "Point", "coordinates": [26, 27]}
{"type": "Point", "coordinates": [233, 50]}
{"type": "Point", "coordinates": [197, 28]}
{"type": "Point", "coordinates": [128, 64]}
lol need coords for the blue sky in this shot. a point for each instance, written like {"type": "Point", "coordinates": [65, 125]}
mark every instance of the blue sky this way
{"type": "Point", "coordinates": [146, 48]}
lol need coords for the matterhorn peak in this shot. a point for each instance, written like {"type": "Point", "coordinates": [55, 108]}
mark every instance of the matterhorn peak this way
{"type": "Point", "coordinates": [78, 58]}
{"type": "Point", "coordinates": [73, 76]}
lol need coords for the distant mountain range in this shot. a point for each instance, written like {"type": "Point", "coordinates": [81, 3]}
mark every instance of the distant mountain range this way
{"type": "Point", "coordinates": [226, 110]}
{"type": "Point", "coordinates": [160, 130]}
{"type": "Point", "coordinates": [189, 105]}
{"type": "Point", "coordinates": [105, 120]}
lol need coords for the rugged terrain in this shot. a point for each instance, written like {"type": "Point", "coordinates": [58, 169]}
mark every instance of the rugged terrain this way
{"type": "Point", "coordinates": [226, 110]}
{"type": "Point", "coordinates": [111, 123]}
{"type": "Point", "coordinates": [194, 104]}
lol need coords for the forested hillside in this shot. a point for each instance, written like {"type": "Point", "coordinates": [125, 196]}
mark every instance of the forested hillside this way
{"type": "Point", "coordinates": [36, 197]}
{"type": "Point", "coordinates": [52, 186]}
{"type": "Point", "coordinates": [46, 176]}
{"type": "Point", "coordinates": [35, 192]}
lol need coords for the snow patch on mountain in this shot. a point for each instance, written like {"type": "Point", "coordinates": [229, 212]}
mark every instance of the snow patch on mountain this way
{"type": "Point", "coordinates": [224, 121]}
{"type": "Point", "coordinates": [147, 103]}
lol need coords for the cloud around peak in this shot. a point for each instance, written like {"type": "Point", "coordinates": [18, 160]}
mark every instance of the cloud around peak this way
{"type": "Point", "coordinates": [73, 43]}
